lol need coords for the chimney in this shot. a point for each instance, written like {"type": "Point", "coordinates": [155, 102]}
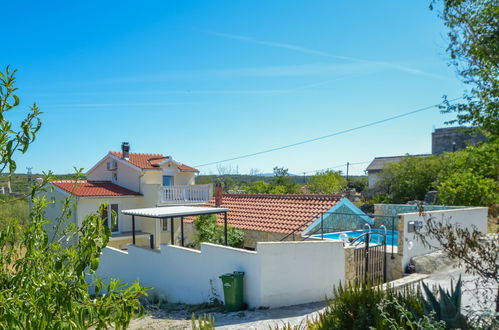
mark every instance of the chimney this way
{"type": "Point", "coordinates": [125, 149]}
{"type": "Point", "coordinates": [218, 195]}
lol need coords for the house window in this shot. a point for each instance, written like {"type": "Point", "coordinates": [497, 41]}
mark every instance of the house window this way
{"type": "Point", "coordinates": [115, 177]}
{"type": "Point", "coordinates": [111, 218]}
{"type": "Point", "coordinates": [167, 180]}
{"type": "Point", "coordinates": [164, 223]}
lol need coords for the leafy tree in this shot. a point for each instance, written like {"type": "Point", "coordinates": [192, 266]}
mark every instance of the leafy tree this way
{"type": "Point", "coordinates": [474, 53]}
{"type": "Point", "coordinates": [409, 179]}
{"type": "Point", "coordinates": [13, 139]}
{"type": "Point", "coordinates": [470, 249]}
{"type": "Point", "coordinates": [258, 187]}
{"type": "Point", "coordinates": [43, 280]}
{"type": "Point", "coordinates": [282, 183]}
{"type": "Point", "coordinates": [43, 283]}
{"type": "Point", "coordinates": [465, 177]}
{"type": "Point", "coordinates": [360, 183]}
{"type": "Point", "coordinates": [208, 230]}
{"type": "Point", "coordinates": [467, 189]}
{"type": "Point", "coordinates": [327, 182]}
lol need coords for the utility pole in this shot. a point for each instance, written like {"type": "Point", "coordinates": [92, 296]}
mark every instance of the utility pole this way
{"type": "Point", "coordinates": [348, 165]}
{"type": "Point", "coordinates": [304, 178]}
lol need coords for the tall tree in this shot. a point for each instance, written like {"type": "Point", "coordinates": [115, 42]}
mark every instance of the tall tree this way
{"type": "Point", "coordinates": [474, 52]}
{"type": "Point", "coordinates": [327, 182]}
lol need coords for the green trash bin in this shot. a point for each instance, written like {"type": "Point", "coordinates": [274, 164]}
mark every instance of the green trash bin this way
{"type": "Point", "coordinates": [233, 290]}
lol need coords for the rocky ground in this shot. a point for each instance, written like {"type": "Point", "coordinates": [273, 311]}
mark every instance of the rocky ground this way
{"type": "Point", "coordinates": [178, 316]}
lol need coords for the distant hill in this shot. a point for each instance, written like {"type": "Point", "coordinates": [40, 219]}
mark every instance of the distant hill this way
{"type": "Point", "coordinates": [19, 182]}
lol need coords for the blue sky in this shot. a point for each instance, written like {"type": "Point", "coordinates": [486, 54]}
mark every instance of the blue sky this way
{"type": "Point", "coordinates": [209, 80]}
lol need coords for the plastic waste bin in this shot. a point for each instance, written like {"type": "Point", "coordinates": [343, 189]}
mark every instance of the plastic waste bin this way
{"type": "Point", "coordinates": [233, 290]}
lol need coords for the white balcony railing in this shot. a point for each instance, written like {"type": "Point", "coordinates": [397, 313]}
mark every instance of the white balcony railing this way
{"type": "Point", "coordinates": [198, 193]}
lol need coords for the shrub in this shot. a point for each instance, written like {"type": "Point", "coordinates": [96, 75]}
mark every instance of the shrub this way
{"type": "Point", "coordinates": [355, 306]}
{"type": "Point", "coordinates": [208, 230]}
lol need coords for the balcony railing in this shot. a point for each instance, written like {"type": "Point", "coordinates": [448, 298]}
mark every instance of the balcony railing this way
{"type": "Point", "coordinates": [198, 193]}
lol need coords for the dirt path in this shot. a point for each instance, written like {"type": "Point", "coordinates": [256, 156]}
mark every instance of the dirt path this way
{"type": "Point", "coordinates": [179, 317]}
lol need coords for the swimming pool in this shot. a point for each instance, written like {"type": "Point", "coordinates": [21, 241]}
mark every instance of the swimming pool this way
{"type": "Point", "coordinates": [375, 237]}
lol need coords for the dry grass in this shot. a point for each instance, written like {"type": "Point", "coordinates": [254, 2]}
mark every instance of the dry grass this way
{"type": "Point", "coordinates": [493, 224]}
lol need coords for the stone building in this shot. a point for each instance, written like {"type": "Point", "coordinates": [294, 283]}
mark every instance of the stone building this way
{"type": "Point", "coordinates": [452, 139]}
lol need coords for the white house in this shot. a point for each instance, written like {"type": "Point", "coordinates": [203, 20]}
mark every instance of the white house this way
{"type": "Point", "coordinates": [128, 180]}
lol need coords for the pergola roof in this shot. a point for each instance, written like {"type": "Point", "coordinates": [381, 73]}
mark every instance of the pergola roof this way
{"type": "Point", "coordinates": [174, 211]}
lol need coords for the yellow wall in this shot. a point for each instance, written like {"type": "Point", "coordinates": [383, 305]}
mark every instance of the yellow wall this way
{"type": "Point", "coordinates": [128, 177]}
{"type": "Point", "coordinates": [88, 206]}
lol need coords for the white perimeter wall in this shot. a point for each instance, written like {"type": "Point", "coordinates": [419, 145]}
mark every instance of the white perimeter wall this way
{"type": "Point", "coordinates": [467, 218]}
{"type": "Point", "coordinates": [276, 274]}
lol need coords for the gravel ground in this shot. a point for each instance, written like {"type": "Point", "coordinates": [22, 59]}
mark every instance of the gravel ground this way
{"type": "Point", "coordinates": [178, 316]}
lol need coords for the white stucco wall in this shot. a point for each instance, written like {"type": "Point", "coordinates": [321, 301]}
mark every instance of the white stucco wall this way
{"type": "Point", "coordinates": [54, 211]}
{"type": "Point", "coordinates": [276, 274]}
{"type": "Point", "coordinates": [128, 176]}
{"type": "Point", "coordinates": [466, 217]}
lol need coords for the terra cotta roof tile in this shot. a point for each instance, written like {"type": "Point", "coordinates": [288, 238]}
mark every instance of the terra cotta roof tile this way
{"type": "Point", "coordinates": [84, 188]}
{"type": "Point", "coordinates": [273, 213]}
{"type": "Point", "coordinates": [149, 161]}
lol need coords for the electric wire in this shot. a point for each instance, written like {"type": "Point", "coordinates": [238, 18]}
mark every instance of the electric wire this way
{"type": "Point", "coordinates": [377, 122]}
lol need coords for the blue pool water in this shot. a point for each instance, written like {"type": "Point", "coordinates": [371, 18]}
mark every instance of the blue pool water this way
{"type": "Point", "coordinates": [375, 237]}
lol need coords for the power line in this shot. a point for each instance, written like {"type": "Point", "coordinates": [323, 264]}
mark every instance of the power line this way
{"type": "Point", "coordinates": [326, 136]}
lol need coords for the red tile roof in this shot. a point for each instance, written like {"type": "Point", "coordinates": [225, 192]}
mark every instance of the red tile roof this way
{"type": "Point", "coordinates": [273, 213]}
{"type": "Point", "coordinates": [84, 188]}
{"type": "Point", "coordinates": [149, 161]}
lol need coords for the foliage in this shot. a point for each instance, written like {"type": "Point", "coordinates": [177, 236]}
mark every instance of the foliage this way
{"type": "Point", "coordinates": [208, 230]}
{"type": "Point", "coordinates": [12, 139]}
{"type": "Point", "coordinates": [205, 323]}
{"type": "Point", "coordinates": [474, 53]}
{"type": "Point", "coordinates": [280, 183]}
{"type": "Point", "coordinates": [405, 319]}
{"type": "Point", "coordinates": [478, 255]}
{"type": "Point", "coordinates": [360, 183]}
{"type": "Point", "coordinates": [258, 187]}
{"type": "Point", "coordinates": [467, 189]}
{"type": "Point", "coordinates": [43, 280]}
{"type": "Point", "coordinates": [409, 179]}
{"type": "Point", "coordinates": [355, 307]}
{"type": "Point", "coordinates": [327, 182]}
{"type": "Point", "coordinates": [448, 309]}
{"type": "Point", "coordinates": [465, 177]}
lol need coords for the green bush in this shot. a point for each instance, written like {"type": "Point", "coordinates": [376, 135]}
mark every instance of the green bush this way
{"type": "Point", "coordinates": [356, 307]}
{"type": "Point", "coordinates": [208, 230]}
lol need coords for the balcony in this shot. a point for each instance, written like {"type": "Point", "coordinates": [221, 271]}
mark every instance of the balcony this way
{"type": "Point", "coordinates": [198, 193]}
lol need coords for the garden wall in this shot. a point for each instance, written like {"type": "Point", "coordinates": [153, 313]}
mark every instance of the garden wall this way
{"type": "Point", "coordinates": [467, 217]}
{"type": "Point", "coordinates": [276, 274]}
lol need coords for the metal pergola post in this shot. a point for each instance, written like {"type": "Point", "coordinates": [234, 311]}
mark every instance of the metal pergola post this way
{"type": "Point", "coordinates": [225, 228]}
{"type": "Point", "coordinates": [172, 237]}
{"type": "Point", "coordinates": [133, 229]}
{"type": "Point", "coordinates": [182, 231]}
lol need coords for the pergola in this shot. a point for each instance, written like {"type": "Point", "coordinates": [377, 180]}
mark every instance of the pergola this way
{"type": "Point", "coordinates": [173, 212]}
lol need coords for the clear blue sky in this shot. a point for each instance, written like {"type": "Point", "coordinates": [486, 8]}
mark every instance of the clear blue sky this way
{"type": "Point", "coordinates": [209, 80]}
